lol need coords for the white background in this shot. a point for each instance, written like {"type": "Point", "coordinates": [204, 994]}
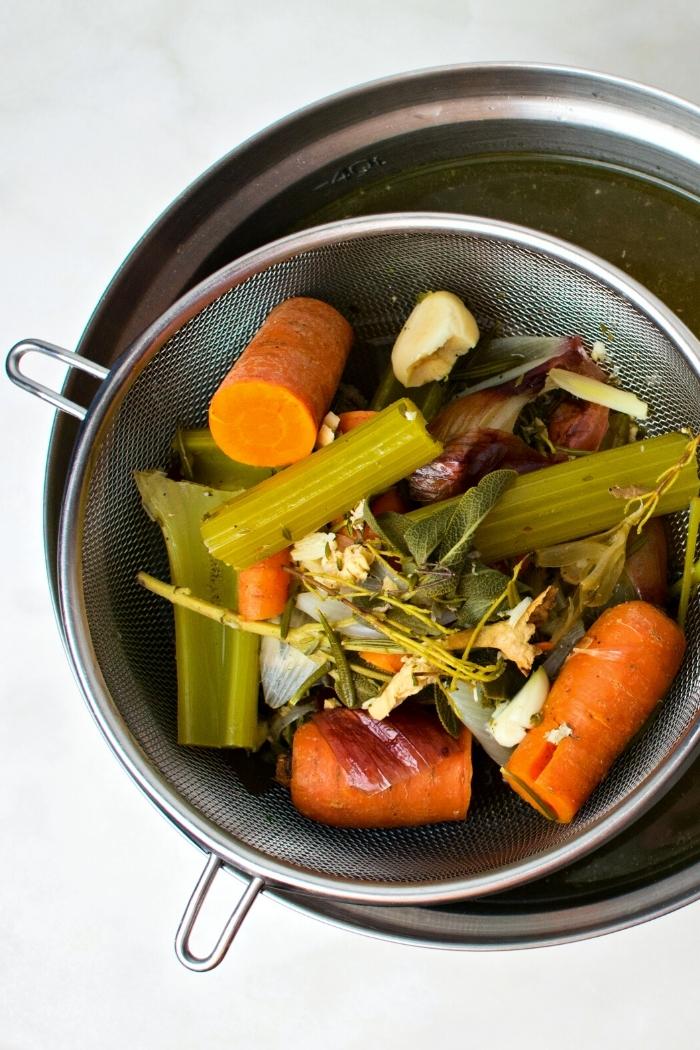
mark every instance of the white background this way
{"type": "Point", "coordinates": [107, 111]}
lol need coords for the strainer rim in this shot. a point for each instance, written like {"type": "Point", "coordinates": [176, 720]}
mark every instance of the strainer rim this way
{"type": "Point", "coordinates": [155, 785]}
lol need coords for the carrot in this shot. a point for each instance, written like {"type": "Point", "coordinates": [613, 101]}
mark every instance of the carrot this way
{"type": "Point", "coordinates": [322, 791]}
{"type": "Point", "coordinates": [263, 588]}
{"type": "Point", "coordinates": [350, 420]}
{"type": "Point", "coordinates": [391, 500]}
{"type": "Point", "coordinates": [391, 662]}
{"type": "Point", "coordinates": [268, 409]}
{"type": "Point", "coordinates": [605, 692]}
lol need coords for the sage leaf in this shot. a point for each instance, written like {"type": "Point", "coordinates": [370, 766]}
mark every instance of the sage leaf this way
{"type": "Point", "coordinates": [468, 514]}
{"type": "Point", "coordinates": [448, 719]}
{"type": "Point", "coordinates": [478, 589]}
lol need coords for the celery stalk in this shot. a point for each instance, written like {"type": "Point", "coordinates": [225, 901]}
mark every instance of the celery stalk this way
{"type": "Point", "coordinates": [202, 460]}
{"type": "Point", "coordinates": [573, 499]}
{"type": "Point", "coordinates": [217, 669]}
{"type": "Point", "coordinates": [326, 484]}
{"type": "Point", "coordinates": [687, 578]}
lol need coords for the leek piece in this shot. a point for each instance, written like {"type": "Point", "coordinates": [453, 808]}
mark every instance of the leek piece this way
{"type": "Point", "coordinates": [428, 398]}
{"type": "Point", "coordinates": [321, 487]}
{"type": "Point", "coordinates": [688, 573]}
{"type": "Point", "coordinates": [202, 460]}
{"type": "Point", "coordinates": [589, 389]}
{"type": "Point", "coordinates": [573, 499]}
{"type": "Point", "coordinates": [217, 669]}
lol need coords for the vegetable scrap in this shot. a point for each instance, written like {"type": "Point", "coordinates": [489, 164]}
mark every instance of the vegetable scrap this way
{"type": "Point", "coordinates": [471, 550]}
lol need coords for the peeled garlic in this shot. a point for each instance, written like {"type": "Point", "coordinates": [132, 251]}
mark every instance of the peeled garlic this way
{"type": "Point", "coordinates": [438, 330]}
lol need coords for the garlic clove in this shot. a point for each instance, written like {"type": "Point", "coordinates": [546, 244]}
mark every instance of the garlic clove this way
{"type": "Point", "coordinates": [439, 329]}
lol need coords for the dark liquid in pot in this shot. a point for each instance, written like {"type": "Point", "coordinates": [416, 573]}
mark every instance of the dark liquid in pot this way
{"type": "Point", "coordinates": [644, 226]}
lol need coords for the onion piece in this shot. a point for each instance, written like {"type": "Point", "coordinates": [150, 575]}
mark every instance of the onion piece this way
{"type": "Point", "coordinates": [466, 704]}
{"type": "Point", "coordinates": [512, 720]}
{"type": "Point", "coordinates": [588, 389]}
{"type": "Point", "coordinates": [335, 612]}
{"type": "Point", "coordinates": [376, 755]}
{"type": "Point", "coordinates": [283, 669]}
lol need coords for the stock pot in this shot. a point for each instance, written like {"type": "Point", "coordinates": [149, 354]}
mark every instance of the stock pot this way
{"type": "Point", "coordinates": [497, 139]}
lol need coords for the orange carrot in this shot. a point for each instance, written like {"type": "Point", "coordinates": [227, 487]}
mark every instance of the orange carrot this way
{"type": "Point", "coordinates": [322, 791]}
{"type": "Point", "coordinates": [605, 692]}
{"type": "Point", "coordinates": [391, 500]}
{"type": "Point", "coordinates": [263, 588]}
{"type": "Point", "coordinates": [350, 420]}
{"type": "Point", "coordinates": [268, 409]}
{"type": "Point", "coordinates": [391, 662]}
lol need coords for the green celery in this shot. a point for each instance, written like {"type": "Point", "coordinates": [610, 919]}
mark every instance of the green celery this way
{"type": "Point", "coordinates": [687, 578]}
{"type": "Point", "coordinates": [202, 460]}
{"type": "Point", "coordinates": [320, 488]}
{"type": "Point", "coordinates": [217, 669]}
{"type": "Point", "coordinates": [574, 499]}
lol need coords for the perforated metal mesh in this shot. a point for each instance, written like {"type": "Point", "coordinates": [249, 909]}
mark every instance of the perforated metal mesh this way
{"type": "Point", "coordinates": [374, 281]}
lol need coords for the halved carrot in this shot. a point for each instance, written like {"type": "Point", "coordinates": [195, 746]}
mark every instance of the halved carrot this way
{"type": "Point", "coordinates": [321, 790]}
{"type": "Point", "coordinates": [605, 692]}
{"type": "Point", "coordinates": [350, 420]}
{"type": "Point", "coordinates": [391, 662]}
{"type": "Point", "coordinates": [263, 588]}
{"type": "Point", "coordinates": [268, 409]}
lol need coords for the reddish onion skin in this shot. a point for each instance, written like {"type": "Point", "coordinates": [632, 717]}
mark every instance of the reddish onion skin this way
{"type": "Point", "coordinates": [647, 564]}
{"type": "Point", "coordinates": [578, 425]}
{"type": "Point", "coordinates": [468, 458]}
{"type": "Point", "coordinates": [350, 771]}
{"type": "Point", "coordinates": [574, 358]}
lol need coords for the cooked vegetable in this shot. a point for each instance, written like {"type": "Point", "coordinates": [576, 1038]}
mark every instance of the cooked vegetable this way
{"type": "Point", "coordinates": [268, 409]}
{"type": "Point", "coordinates": [515, 717]}
{"type": "Point", "coordinates": [605, 692]}
{"type": "Point", "coordinates": [391, 662]}
{"type": "Point", "coordinates": [306, 495]}
{"type": "Point", "coordinates": [263, 587]}
{"type": "Point", "coordinates": [202, 460]}
{"type": "Point", "coordinates": [466, 459]}
{"type": "Point", "coordinates": [217, 669]}
{"type": "Point", "coordinates": [579, 426]}
{"type": "Point", "coordinates": [574, 499]}
{"type": "Point", "coordinates": [438, 330]}
{"type": "Point", "coordinates": [475, 712]}
{"type": "Point", "coordinates": [589, 389]}
{"type": "Point", "coordinates": [489, 409]}
{"type": "Point", "coordinates": [691, 541]}
{"type": "Point", "coordinates": [520, 364]}
{"type": "Point", "coordinates": [646, 565]}
{"type": "Point", "coordinates": [283, 671]}
{"type": "Point", "coordinates": [347, 421]}
{"type": "Point", "coordinates": [349, 770]}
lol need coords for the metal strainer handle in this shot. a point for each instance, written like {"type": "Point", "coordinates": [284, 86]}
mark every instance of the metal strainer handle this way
{"type": "Point", "coordinates": [194, 906]}
{"type": "Point", "coordinates": [56, 353]}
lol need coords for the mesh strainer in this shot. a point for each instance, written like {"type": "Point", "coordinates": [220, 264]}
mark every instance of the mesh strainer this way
{"type": "Point", "coordinates": [120, 637]}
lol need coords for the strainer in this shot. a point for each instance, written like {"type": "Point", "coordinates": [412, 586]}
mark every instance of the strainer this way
{"type": "Point", "coordinates": [120, 638]}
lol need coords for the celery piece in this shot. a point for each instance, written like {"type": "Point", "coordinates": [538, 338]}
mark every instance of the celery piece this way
{"type": "Point", "coordinates": [573, 499]}
{"type": "Point", "coordinates": [217, 669]}
{"type": "Point", "coordinates": [320, 488]}
{"type": "Point", "coordinates": [690, 543]}
{"type": "Point", "coordinates": [202, 461]}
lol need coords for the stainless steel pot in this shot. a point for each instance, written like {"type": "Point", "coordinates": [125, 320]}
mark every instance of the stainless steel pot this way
{"type": "Point", "coordinates": [357, 139]}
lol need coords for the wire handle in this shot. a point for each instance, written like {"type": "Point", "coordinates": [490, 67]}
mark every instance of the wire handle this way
{"type": "Point", "coordinates": [56, 353]}
{"type": "Point", "coordinates": [194, 906]}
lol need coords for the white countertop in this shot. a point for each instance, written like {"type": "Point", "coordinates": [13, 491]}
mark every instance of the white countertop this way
{"type": "Point", "coordinates": [107, 112]}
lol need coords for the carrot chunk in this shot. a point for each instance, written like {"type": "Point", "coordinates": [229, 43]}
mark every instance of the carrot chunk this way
{"type": "Point", "coordinates": [263, 588]}
{"type": "Point", "coordinates": [605, 692]}
{"type": "Point", "coordinates": [267, 410]}
{"type": "Point", "coordinates": [439, 790]}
